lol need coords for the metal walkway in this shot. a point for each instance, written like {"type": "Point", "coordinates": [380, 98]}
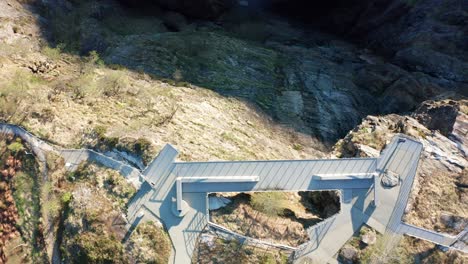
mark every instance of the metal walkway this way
{"type": "Point", "coordinates": [177, 193]}
{"type": "Point", "coordinates": [421, 233]}
{"type": "Point", "coordinates": [357, 179]}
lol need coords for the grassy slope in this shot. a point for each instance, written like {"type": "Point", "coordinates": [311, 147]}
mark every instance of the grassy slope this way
{"type": "Point", "coordinates": [67, 103]}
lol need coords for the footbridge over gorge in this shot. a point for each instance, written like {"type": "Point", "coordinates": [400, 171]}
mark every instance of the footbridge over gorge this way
{"type": "Point", "coordinates": [176, 193]}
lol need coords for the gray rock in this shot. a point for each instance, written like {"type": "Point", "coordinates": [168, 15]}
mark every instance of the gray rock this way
{"type": "Point", "coordinates": [349, 254]}
{"type": "Point", "coordinates": [208, 239]}
{"type": "Point", "coordinates": [369, 238]}
{"type": "Point", "coordinates": [218, 202]}
{"type": "Point", "coordinates": [390, 179]}
{"type": "Point", "coordinates": [447, 220]}
{"type": "Point", "coordinates": [455, 222]}
{"type": "Point", "coordinates": [423, 35]}
{"type": "Point", "coordinates": [439, 115]}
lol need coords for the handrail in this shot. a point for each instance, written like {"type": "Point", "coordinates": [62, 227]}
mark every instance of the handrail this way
{"type": "Point", "coordinates": [257, 241]}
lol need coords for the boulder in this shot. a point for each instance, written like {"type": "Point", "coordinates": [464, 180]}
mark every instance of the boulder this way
{"type": "Point", "coordinates": [366, 151]}
{"type": "Point", "coordinates": [216, 202]}
{"type": "Point", "coordinates": [348, 254]}
{"type": "Point", "coordinates": [208, 239]}
{"type": "Point", "coordinates": [390, 179]}
{"type": "Point", "coordinates": [438, 115]}
{"type": "Point", "coordinates": [447, 219]}
{"type": "Point", "coordinates": [369, 238]}
{"type": "Point", "coordinates": [40, 66]}
{"type": "Point", "coordinates": [455, 222]}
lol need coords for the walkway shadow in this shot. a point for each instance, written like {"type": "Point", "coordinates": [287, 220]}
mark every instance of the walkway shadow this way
{"type": "Point", "coordinates": [138, 200]}
{"type": "Point", "coordinates": [193, 230]}
{"type": "Point", "coordinates": [362, 207]}
{"type": "Point", "coordinates": [316, 235]}
{"type": "Point", "coordinates": [134, 224]}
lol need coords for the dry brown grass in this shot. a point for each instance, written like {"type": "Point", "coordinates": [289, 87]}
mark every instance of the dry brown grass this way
{"type": "Point", "coordinates": [412, 250]}
{"type": "Point", "coordinates": [438, 195]}
{"type": "Point", "coordinates": [233, 252]}
{"type": "Point", "coordinates": [195, 120]}
{"type": "Point", "coordinates": [278, 217]}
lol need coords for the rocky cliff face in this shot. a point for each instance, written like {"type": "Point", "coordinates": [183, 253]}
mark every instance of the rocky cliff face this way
{"type": "Point", "coordinates": [317, 83]}
{"type": "Point", "coordinates": [207, 9]}
{"type": "Point", "coordinates": [427, 36]}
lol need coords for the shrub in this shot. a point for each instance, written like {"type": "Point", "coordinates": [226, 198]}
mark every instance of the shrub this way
{"type": "Point", "coordinates": [113, 84]}
{"type": "Point", "coordinates": [270, 203]}
{"type": "Point", "coordinates": [16, 147]}
{"type": "Point", "coordinates": [104, 142]}
{"type": "Point", "coordinates": [118, 188]}
{"type": "Point", "coordinates": [100, 132]}
{"type": "Point", "coordinates": [268, 258]}
{"type": "Point", "coordinates": [142, 145]}
{"type": "Point", "coordinates": [66, 197]}
{"type": "Point", "coordinates": [53, 53]}
{"type": "Point", "coordinates": [82, 171]}
{"type": "Point", "coordinates": [83, 85]}
{"type": "Point", "coordinates": [13, 95]}
{"type": "Point", "coordinates": [94, 59]}
{"type": "Point", "coordinates": [99, 248]}
{"type": "Point", "coordinates": [298, 147]}
{"type": "Point", "coordinates": [177, 75]}
{"type": "Point", "coordinates": [150, 244]}
{"type": "Point", "coordinates": [51, 207]}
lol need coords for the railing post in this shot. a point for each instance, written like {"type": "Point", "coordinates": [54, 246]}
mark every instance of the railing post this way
{"type": "Point", "coordinates": [375, 190]}
{"type": "Point", "coordinates": [179, 194]}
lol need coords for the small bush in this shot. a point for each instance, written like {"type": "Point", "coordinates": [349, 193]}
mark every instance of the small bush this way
{"type": "Point", "coordinates": [66, 197]}
{"type": "Point", "coordinates": [118, 188]}
{"type": "Point", "coordinates": [81, 172]}
{"type": "Point", "coordinates": [100, 131]}
{"type": "Point", "coordinates": [53, 53]}
{"type": "Point", "coordinates": [51, 207]}
{"type": "Point", "coordinates": [16, 147]}
{"type": "Point", "coordinates": [150, 244]}
{"type": "Point", "coordinates": [13, 95]}
{"type": "Point", "coordinates": [113, 84]}
{"type": "Point", "coordinates": [99, 248]}
{"type": "Point", "coordinates": [142, 145]}
{"type": "Point", "coordinates": [94, 59]}
{"type": "Point", "coordinates": [298, 147]}
{"type": "Point", "coordinates": [270, 203]}
{"type": "Point", "coordinates": [104, 142]}
{"type": "Point", "coordinates": [117, 67]}
{"type": "Point", "coordinates": [84, 85]}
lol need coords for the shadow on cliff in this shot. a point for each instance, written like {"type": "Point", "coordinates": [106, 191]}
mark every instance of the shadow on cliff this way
{"type": "Point", "coordinates": [227, 55]}
{"type": "Point", "coordinates": [301, 79]}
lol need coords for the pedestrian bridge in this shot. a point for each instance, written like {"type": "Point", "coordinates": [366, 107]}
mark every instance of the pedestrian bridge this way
{"type": "Point", "coordinates": [176, 192]}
